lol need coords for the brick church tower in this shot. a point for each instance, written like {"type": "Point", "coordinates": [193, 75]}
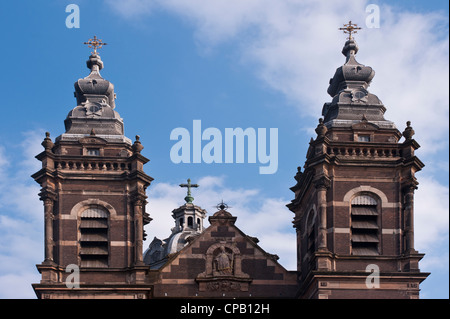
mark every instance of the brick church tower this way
{"type": "Point", "coordinates": [353, 206]}
{"type": "Point", "coordinates": [93, 190]}
{"type": "Point", "coordinates": [354, 200]}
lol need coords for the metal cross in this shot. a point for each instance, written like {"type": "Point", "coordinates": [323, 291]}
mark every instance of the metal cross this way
{"type": "Point", "coordinates": [350, 28]}
{"type": "Point", "coordinates": [222, 206]}
{"type": "Point", "coordinates": [189, 198]}
{"type": "Point", "coordinates": [95, 43]}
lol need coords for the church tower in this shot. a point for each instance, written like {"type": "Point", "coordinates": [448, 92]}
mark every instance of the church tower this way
{"type": "Point", "coordinates": [354, 200]}
{"type": "Point", "coordinates": [93, 189]}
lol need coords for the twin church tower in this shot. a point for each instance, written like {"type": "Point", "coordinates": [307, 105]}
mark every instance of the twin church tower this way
{"type": "Point", "coordinates": [353, 209]}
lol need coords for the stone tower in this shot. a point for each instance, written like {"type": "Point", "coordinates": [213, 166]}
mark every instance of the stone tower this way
{"type": "Point", "coordinates": [354, 200]}
{"type": "Point", "coordinates": [93, 190]}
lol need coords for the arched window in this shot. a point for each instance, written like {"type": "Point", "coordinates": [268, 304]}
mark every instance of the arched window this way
{"type": "Point", "coordinates": [94, 242]}
{"type": "Point", "coordinates": [364, 225]}
{"type": "Point", "coordinates": [190, 221]}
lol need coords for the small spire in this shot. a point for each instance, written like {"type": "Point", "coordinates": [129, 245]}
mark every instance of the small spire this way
{"type": "Point", "coordinates": [95, 43]}
{"type": "Point", "coordinates": [350, 28]}
{"type": "Point", "coordinates": [350, 47]}
{"type": "Point", "coordinates": [95, 64]}
{"type": "Point", "coordinates": [222, 206]}
{"type": "Point", "coordinates": [189, 199]}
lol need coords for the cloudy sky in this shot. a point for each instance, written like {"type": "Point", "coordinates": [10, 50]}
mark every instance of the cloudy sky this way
{"type": "Point", "coordinates": [249, 64]}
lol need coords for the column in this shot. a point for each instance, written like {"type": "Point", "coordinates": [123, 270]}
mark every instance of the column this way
{"type": "Point", "coordinates": [322, 185]}
{"type": "Point", "coordinates": [48, 217]}
{"type": "Point", "coordinates": [138, 232]}
{"type": "Point", "coordinates": [322, 255]}
{"type": "Point", "coordinates": [409, 218]}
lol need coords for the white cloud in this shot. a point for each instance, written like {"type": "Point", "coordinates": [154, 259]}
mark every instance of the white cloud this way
{"type": "Point", "coordinates": [431, 212]}
{"type": "Point", "coordinates": [21, 219]}
{"type": "Point", "coordinates": [133, 8]}
{"type": "Point", "coordinates": [18, 285]}
{"type": "Point", "coordinates": [294, 47]}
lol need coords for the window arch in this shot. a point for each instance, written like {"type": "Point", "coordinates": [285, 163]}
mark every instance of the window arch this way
{"type": "Point", "coordinates": [94, 236]}
{"type": "Point", "coordinates": [364, 222]}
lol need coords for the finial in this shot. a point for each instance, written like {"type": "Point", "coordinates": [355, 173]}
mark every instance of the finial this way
{"type": "Point", "coordinates": [189, 198]}
{"type": "Point", "coordinates": [95, 43]}
{"type": "Point", "coordinates": [321, 129]}
{"type": "Point", "coordinates": [137, 146]}
{"type": "Point", "coordinates": [408, 133]}
{"type": "Point", "coordinates": [47, 143]}
{"type": "Point", "coordinates": [95, 63]}
{"type": "Point", "coordinates": [350, 28]}
{"type": "Point", "coordinates": [222, 206]}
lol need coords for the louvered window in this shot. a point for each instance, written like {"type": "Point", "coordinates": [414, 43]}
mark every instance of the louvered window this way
{"type": "Point", "coordinates": [364, 226]}
{"type": "Point", "coordinates": [94, 244]}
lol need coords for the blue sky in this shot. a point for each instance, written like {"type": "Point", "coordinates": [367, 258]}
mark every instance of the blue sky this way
{"type": "Point", "coordinates": [249, 64]}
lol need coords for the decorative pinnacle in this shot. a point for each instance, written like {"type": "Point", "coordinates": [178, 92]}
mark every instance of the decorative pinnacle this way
{"type": "Point", "coordinates": [95, 43]}
{"type": "Point", "coordinates": [222, 205]}
{"type": "Point", "coordinates": [47, 143]}
{"type": "Point", "coordinates": [321, 129]}
{"type": "Point", "coordinates": [408, 133]}
{"type": "Point", "coordinates": [350, 28]}
{"type": "Point", "coordinates": [189, 198]}
{"type": "Point", "coordinates": [137, 146]}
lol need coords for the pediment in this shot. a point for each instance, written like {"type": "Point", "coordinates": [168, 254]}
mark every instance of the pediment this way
{"type": "Point", "coordinates": [92, 140]}
{"type": "Point", "coordinates": [364, 125]}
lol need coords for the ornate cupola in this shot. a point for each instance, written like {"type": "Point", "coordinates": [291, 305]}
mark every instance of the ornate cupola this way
{"type": "Point", "coordinates": [354, 199]}
{"type": "Point", "coordinates": [95, 108]}
{"type": "Point", "coordinates": [188, 225]}
{"type": "Point", "coordinates": [351, 100]}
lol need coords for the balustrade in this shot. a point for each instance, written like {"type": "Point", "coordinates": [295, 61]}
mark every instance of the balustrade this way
{"type": "Point", "coordinates": [91, 165]}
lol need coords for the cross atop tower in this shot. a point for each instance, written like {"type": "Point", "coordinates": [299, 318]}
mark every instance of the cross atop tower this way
{"type": "Point", "coordinates": [222, 205]}
{"type": "Point", "coordinates": [95, 43]}
{"type": "Point", "coordinates": [350, 28]}
{"type": "Point", "coordinates": [189, 198]}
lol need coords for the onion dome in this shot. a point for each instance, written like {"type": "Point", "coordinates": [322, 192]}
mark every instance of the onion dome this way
{"type": "Point", "coordinates": [351, 99]}
{"type": "Point", "coordinates": [95, 105]}
{"type": "Point", "coordinates": [94, 88]}
{"type": "Point", "coordinates": [352, 74]}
